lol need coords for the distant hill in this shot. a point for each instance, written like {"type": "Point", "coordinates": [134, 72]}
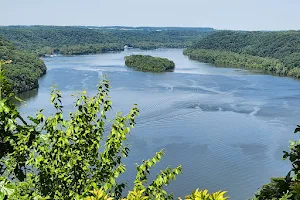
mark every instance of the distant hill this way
{"type": "Point", "coordinates": [147, 28]}
{"type": "Point", "coordinates": [280, 50]}
{"type": "Point", "coordinates": [43, 40]}
{"type": "Point", "coordinates": [25, 68]}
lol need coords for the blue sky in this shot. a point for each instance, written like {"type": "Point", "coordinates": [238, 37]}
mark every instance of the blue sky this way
{"type": "Point", "coordinates": [220, 14]}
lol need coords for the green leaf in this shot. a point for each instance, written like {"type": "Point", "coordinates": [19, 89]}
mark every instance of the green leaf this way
{"type": "Point", "coordinates": [2, 196]}
{"type": "Point", "coordinates": [6, 189]}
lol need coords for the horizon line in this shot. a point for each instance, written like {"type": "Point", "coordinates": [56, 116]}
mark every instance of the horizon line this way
{"type": "Point", "coordinates": [127, 26]}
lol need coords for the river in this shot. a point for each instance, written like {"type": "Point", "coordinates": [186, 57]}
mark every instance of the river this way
{"type": "Point", "coordinates": [227, 127]}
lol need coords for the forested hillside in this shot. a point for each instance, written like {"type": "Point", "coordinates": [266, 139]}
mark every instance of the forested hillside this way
{"type": "Point", "coordinates": [280, 50]}
{"type": "Point", "coordinates": [24, 70]}
{"type": "Point", "coordinates": [43, 40]}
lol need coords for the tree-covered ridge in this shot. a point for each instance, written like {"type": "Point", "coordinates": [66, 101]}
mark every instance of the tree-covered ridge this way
{"type": "Point", "coordinates": [24, 70]}
{"type": "Point", "coordinates": [43, 40]}
{"type": "Point", "coordinates": [90, 48]}
{"type": "Point", "coordinates": [228, 58]}
{"type": "Point", "coordinates": [149, 63]}
{"type": "Point", "coordinates": [283, 46]}
{"type": "Point", "coordinates": [264, 44]}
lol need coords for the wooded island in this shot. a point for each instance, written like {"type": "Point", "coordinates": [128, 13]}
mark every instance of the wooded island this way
{"type": "Point", "coordinates": [149, 63]}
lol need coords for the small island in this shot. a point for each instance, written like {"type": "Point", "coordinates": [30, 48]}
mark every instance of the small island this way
{"type": "Point", "coordinates": [149, 63]}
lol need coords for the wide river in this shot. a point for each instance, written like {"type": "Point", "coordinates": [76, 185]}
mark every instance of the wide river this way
{"type": "Point", "coordinates": [227, 127]}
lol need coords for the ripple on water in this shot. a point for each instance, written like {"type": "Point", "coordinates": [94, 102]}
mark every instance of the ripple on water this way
{"type": "Point", "coordinates": [227, 129]}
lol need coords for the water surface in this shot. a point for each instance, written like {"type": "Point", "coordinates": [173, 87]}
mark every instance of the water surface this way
{"type": "Point", "coordinates": [227, 127]}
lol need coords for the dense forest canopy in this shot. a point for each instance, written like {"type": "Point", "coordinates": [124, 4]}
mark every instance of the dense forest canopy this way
{"type": "Point", "coordinates": [24, 70]}
{"type": "Point", "coordinates": [81, 40]}
{"type": "Point", "coordinates": [149, 63]}
{"type": "Point", "coordinates": [237, 48]}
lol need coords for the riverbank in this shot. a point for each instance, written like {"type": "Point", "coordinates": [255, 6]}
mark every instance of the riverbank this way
{"type": "Point", "coordinates": [25, 68]}
{"type": "Point", "coordinates": [242, 61]}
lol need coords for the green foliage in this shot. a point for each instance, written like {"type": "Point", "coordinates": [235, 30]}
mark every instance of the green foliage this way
{"type": "Point", "coordinates": [6, 189]}
{"type": "Point", "coordinates": [43, 40]}
{"type": "Point", "coordinates": [65, 159]}
{"type": "Point", "coordinates": [155, 189]}
{"type": "Point", "coordinates": [204, 195]}
{"type": "Point", "coordinates": [149, 63]}
{"type": "Point", "coordinates": [263, 44]}
{"type": "Point", "coordinates": [275, 52]}
{"type": "Point", "coordinates": [24, 70]}
{"type": "Point", "coordinates": [277, 188]}
{"type": "Point", "coordinates": [140, 195]}
{"type": "Point", "coordinates": [89, 49]}
{"type": "Point", "coordinates": [98, 195]}
{"type": "Point", "coordinates": [227, 58]}
{"type": "Point", "coordinates": [9, 128]}
{"type": "Point", "coordinates": [4, 82]}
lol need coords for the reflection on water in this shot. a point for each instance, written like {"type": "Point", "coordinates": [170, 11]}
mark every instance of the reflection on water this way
{"type": "Point", "coordinates": [227, 127]}
{"type": "Point", "coordinates": [27, 96]}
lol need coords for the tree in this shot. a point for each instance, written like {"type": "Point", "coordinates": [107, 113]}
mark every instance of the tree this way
{"type": "Point", "coordinates": [4, 83]}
